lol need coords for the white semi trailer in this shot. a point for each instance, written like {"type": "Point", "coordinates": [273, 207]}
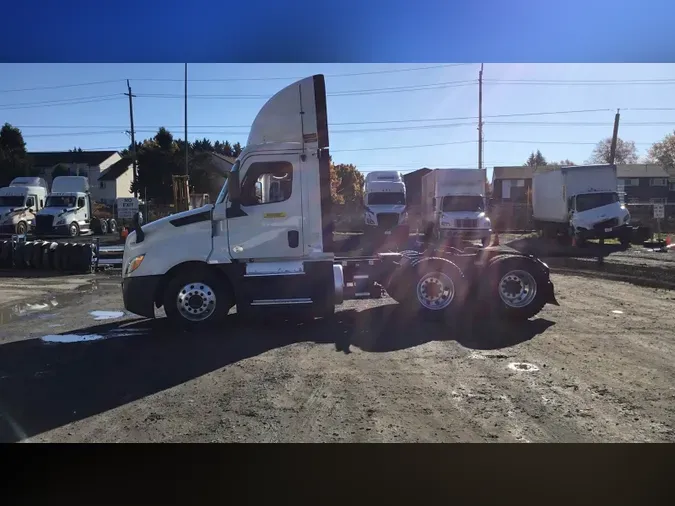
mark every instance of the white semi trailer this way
{"type": "Point", "coordinates": [264, 254]}
{"type": "Point", "coordinates": [384, 198]}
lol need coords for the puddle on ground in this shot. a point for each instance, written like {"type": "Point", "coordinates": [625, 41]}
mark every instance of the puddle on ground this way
{"type": "Point", "coordinates": [38, 308]}
{"type": "Point", "coordinates": [523, 366]}
{"type": "Point", "coordinates": [84, 338]}
{"type": "Point", "coordinates": [106, 315]}
{"type": "Point", "coordinates": [616, 311]}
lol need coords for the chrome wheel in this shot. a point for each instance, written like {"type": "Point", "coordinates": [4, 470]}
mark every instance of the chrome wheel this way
{"type": "Point", "coordinates": [435, 291]}
{"type": "Point", "coordinates": [196, 302]}
{"type": "Point", "coordinates": [517, 289]}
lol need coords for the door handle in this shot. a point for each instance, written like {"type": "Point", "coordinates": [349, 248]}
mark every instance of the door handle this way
{"type": "Point", "coordinates": [293, 238]}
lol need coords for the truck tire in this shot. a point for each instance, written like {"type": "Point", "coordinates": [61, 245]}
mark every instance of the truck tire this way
{"type": "Point", "coordinates": [485, 242]}
{"type": "Point", "coordinates": [28, 254]}
{"type": "Point", "coordinates": [432, 286]}
{"type": "Point", "coordinates": [103, 226]}
{"type": "Point", "coordinates": [513, 287]}
{"type": "Point", "coordinates": [5, 253]}
{"type": "Point", "coordinates": [112, 226]}
{"type": "Point", "coordinates": [21, 228]}
{"type": "Point", "coordinates": [46, 262]}
{"type": "Point", "coordinates": [73, 229]}
{"type": "Point", "coordinates": [196, 297]}
{"type": "Point", "coordinates": [36, 260]}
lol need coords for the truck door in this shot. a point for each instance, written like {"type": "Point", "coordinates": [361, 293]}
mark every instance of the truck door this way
{"type": "Point", "coordinates": [268, 223]}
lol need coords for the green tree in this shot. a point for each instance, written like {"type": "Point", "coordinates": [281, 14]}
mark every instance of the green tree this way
{"type": "Point", "coordinates": [349, 183]}
{"type": "Point", "coordinates": [663, 152]}
{"type": "Point", "coordinates": [536, 159]}
{"type": "Point", "coordinates": [236, 150]}
{"type": "Point", "coordinates": [14, 159]}
{"type": "Point", "coordinates": [626, 152]}
{"type": "Point", "coordinates": [566, 163]}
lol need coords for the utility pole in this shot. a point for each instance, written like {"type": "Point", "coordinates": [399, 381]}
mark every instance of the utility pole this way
{"type": "Point", "coordinates": [480, 117]}
{"type": "Point", "coordinates": [615, 136]}
{"type": "Point", "coordinates": [133, 139]}
{"type": "Point", "coordinates": [186, 137]}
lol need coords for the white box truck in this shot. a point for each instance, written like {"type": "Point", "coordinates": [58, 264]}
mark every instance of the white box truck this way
{"type": "Point", "coordinates": [384, 199]}
{"type": "Point", "coordinates": [580, 202]}
{"type": "Point", "coordinates": [453, 205]}
{"type": "Point", "coordinates": [19, 202]}
{"type": "Point", "coordinates": [68, 210]}
{"type": "Point", "coordinates": [274, 254]}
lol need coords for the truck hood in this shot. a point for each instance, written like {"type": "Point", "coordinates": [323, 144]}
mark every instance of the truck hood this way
{"type": "Point", "coordinates": [6, 210]}
{"type": "Point", "coordinates": [587, 219]}
{"type": "Point", "coordinates": [55, 211]}
{"type": "Point", "coordinates": [166, 221]}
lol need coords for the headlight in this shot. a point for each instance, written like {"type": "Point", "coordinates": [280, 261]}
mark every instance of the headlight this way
{"type": "Point", "coordinates": [134, 264]}
{"type": "Point", "coordinates": [626, 219]}
{"type": "Point", "coordinates": [62, 221]}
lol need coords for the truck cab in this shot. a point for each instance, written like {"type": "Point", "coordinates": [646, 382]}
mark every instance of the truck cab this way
{"type": "Point", "coordinates": [599, 212]}
{"type": "Point", "coordinates": [68, 209]}
{"type": "Point", "coordinates": [384, 199]}
{"type": "Point", "coordinates": [19, 202]}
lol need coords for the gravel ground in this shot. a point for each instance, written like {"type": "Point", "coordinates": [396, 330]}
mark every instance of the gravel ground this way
{"type": "Point", "coordinates": [598, 368]}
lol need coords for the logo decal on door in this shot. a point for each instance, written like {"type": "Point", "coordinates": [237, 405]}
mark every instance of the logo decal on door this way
{"type": "Point", "coordinates": [274, 215]}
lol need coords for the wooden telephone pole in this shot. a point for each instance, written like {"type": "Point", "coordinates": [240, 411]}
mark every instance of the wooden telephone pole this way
{"type": "Point", "coordinates": [480, 117]}
{"type": "Point", "coordinates": [133, 139]}
{"type": "Point", "coordinates": [615, 137]}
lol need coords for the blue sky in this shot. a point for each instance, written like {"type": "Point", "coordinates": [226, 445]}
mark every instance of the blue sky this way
{"type": "Point", "coordinates": [96, 115]}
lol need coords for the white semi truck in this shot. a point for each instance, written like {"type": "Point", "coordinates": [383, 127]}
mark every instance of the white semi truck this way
{"type": "Point", "coordinates": [68, 210]}
{"type": "Point", "coordinates": [579, 202]}
{"type": "Point", "coordinates": [264, 254]}
{"type": "Point", "coordinates": [384, 199]}
{"type": "Point", "coordinates": [19, 202]}
{"type": "Point", "coordinates": [454, 205]}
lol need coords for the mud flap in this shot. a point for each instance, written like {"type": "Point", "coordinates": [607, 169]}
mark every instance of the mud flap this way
{"type": "Point", "coordinates": [550, 294]}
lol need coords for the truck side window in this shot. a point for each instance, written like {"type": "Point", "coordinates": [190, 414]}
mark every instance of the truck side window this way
{"type": "Point", "coordinates": [267, 182]}
{"type": "Point", "coordinates": [30, 202]}
{"type": "Point", "coordinates": [570, 204]}
{"type": "Point", "coordinates": [80, 202]}
{"type": "Point", "coordinates": [433, 204]}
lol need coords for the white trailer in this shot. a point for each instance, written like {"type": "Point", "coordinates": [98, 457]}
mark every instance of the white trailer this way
{"type": "Point", "coordinates": [19, 202]}
{"type": "Point", "coordinates": [580, 202]}
{"type": "Point", "coordinates": [454, 205]}
{"type": "Point", "coordinates": [276, 256]}
{"type": "Point", "coordinates": [69, 209]}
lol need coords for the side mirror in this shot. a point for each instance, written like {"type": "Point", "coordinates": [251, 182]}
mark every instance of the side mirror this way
{"type": "Point", "coordinates": [234, 187]}
{"type": "Point", "coordinates": [140, 235]}
{"type": "Point", "coordinates": [30, 209]}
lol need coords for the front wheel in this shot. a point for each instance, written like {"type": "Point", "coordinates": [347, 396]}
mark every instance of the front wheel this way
{"type": "Point", "coordinates": [73, 229]}
{"type": "Point", "coordinates": [196, 297]}
{"type": "Point", "coordinates": [21, 228]}
{"type": "Point", "coordinates": [486, 242]}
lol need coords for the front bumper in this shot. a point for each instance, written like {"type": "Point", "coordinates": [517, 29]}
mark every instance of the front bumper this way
{"type": "Point", "coordinates": [61, 230]}
{"type": "Point", "coordinates": [466, 233]}
{"type": "Point", "coordinates": [138, 294]}
{"type": "Point", "coordinates": [612, 233]}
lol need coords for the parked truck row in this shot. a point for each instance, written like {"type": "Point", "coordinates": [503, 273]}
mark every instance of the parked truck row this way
{"type": "Point", "coordinates": [26, 206]}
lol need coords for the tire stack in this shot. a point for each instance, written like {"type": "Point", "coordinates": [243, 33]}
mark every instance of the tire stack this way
{"type": "Point", "coordinates": [47, 255]}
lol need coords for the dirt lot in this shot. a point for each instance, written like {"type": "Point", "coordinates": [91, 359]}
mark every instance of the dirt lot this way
{"type": "Point", "coordinates": [601, 367]}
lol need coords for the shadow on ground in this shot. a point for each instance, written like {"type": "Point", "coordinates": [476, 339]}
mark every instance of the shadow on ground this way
{"type": "Point", "coordinates": [45, 386]}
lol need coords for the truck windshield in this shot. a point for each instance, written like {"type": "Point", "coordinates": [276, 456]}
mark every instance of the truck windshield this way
{"type": "Point", "coordinates": [12, 201]}
{"type": "Point", "coordinates": [54, 201]}
{"type": "Point", "coordinates": [469, 203]}
{"type": "Point", "coordinates": [592, 200]}
{"type": "Point", "coordinates": [386, 199]}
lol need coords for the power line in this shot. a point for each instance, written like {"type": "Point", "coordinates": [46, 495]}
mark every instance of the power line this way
{"type": "Point", "coordinates": [55, 103]}
{"type": "Point", "coordinates": [553, 82]}
{"type": "Point", "coordinates": [230, 79]}
{"type": "Point", "coordinates": [352, 74]}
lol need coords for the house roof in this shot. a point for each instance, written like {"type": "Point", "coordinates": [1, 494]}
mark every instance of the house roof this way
{"type": "Point", "coordinates": [640, 170]}
{"type": "Point", "coordinates": [514, 172]}
{"type": "Point", "coordinates": [51, 158]}
{"type": "Point", "coordinates": [116, 170]}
